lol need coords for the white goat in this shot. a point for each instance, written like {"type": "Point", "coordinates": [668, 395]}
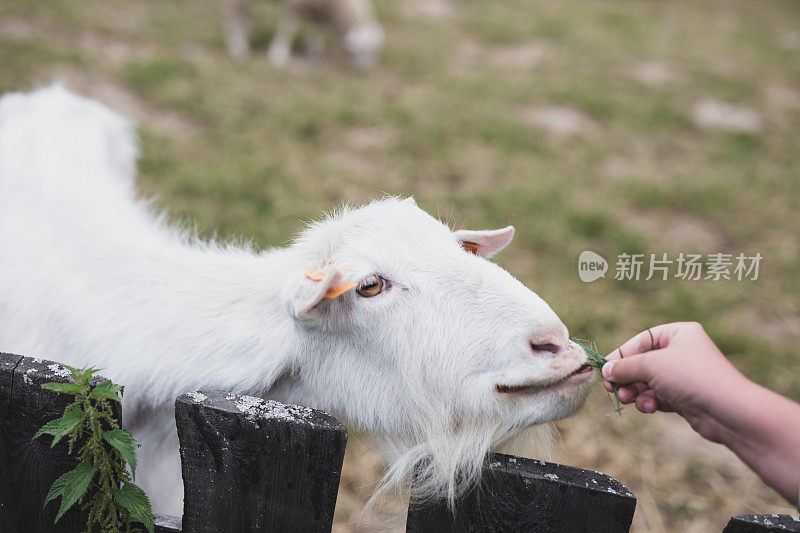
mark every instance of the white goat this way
{"type": "Point", "coordinates": [437, 354]}
{"type": "Point", "coordinates": [352, 22]}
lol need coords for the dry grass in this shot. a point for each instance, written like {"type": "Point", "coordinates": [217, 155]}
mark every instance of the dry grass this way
{"type": "Point", "coordinates": [682, 482]}
{"type": "Point", "coordinates": [587, 126]}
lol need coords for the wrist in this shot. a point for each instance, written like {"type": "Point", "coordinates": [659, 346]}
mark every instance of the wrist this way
{"type": "Point", "coordinates": [727, 413]}
{"type": "Point", "coordinates": [730, 397]}
{"type": "Point", "coordinates": [763, 429]}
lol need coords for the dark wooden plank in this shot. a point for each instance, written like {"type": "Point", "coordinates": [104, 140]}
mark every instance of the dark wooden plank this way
{"type": "Point", "coordinates": [519, 494]}
{"type": "Point", "coordinates": [28, 468]}
{"type": "Point", "coordinates": [763, 523]}
{"type": "Point", "coordinates": [251, 465]}
{"type": "Point", "coordinates": [167, 524]}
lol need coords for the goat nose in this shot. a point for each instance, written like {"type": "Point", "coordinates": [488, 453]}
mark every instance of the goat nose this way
{"type": "Point", "coordinates": [545, 348]}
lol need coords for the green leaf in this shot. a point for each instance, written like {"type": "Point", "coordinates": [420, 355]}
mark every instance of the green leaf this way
{"type": "Point", "coordinates": [48, 429]}
{"type": "Point", "coordinates": [87, 373]}
{"type": "Point", "coordinates": [71, 486]}
{"type": "Point", "coordinates": [108, 390]}
{"type": "Point", "coordinates": [62, 426]}
{"type": "Point", "coordinates": [75, 372]}
{"type": "Point", "coordinates": [137, 503]}
{"type": "Point", "coordinates": [66, 388]}
{"type": "Point", "coordinates": [81, 372]}
{"type": "Point", "coordinates": [123, 441]}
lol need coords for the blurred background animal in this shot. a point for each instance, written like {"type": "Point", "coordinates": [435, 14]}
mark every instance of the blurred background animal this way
{"type": "Point", "coordinates": [352, 23]}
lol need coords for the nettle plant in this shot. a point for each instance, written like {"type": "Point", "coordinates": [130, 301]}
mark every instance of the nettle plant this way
{"type": "Point", "coordinates": [100, 482]}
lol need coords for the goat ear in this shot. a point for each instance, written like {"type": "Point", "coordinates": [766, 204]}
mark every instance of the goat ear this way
{"type": "Point", "coordinates": [313, 288]}
{"type": "Point", "coordinates": [485, 243]}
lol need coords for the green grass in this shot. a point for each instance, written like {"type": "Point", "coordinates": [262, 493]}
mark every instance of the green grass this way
{"type": "Point", "coordinates": [596, 360]}
{"type": "Point", "coordinates": [264, 148]}
{"type": "Point", "coordinates": [247, 150]}
{"type": "Point", "coordinates": [251, 150]}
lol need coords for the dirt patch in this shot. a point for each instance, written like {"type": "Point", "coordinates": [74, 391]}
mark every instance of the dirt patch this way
{"type": "Point", "coordinates": [782, 328]}
{"type": "Point", "coordinates": [370, 138]}
{"type": "Point", "coordinates": [718, 115]}
{"type": "Point", "coordinates": [125, 17]}
{"type": "Point", "coordinates": [430, 9]}
{"type": "Point", "coordinates": [561, 122]}
{"type": "Point", "coordinates": [640, 160]}
{"type": "Point", "coordinates": [789, 39]}
{"type": "Point", "coordinates": [676, 232]}
{"type": "Point", "coordinates": [351, 161]}
{"type": "Point", "coordinates": [522, 56]}
{"type": "Point", "coordinates": [124, 101]}
{"type": "Point", "coordinates": [113, 49]}
{"type": "Point", "coordinates": [618, 167]}
{"type": "Point", "coordinates": [12, 29]}
{"type": "Point", "coordinates": [782, 96]}
{"type": "Point", "coordinates": [467, 53]}
{"type": "Point", "coordinates": [362, 468]}
{"type": "Point", "coordinates": [654, 73]}
{"type": "Point", "coordinates": [513, 57]}
{"type": "Point", "coordinates": [201, 54]}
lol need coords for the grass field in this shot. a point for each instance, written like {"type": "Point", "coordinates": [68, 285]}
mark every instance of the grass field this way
{"type": "Point", "coordinates": [588, 126]}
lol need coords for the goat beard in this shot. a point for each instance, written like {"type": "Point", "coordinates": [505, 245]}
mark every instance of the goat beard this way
{"type": "Point", "coordinates": [535, 442]}
{"type": "Point", "coordinates": [448, 465]}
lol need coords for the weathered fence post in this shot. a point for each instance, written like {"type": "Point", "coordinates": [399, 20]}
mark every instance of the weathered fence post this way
{"type": "Point", "coordinates": [519, 494]}
{"type": "Point", "coordinates": [167, 524]}
{"type": "Point", "coordinates": [28, 468]}
{"type": "Point", "coordinates": [763, 523]}
{"type": "Point", "coordinates": [251, 465]}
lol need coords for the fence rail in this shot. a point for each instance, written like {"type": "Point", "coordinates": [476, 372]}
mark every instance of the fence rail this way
{"type": "Point", "coordinates": [251, 465]}
{"type": "Point", "coordinates": [519, 494]}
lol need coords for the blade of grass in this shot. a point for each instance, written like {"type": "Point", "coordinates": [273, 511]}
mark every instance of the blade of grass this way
{"type": "Point", "coordinates": [597, 360]}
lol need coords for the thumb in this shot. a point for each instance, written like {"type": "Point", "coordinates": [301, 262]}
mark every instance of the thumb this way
{"type": "Point", "coordinates": [633, 369]}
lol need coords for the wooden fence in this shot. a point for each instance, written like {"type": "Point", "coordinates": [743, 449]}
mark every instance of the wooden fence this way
{"type": "Point", "coordinates": [251, 465]}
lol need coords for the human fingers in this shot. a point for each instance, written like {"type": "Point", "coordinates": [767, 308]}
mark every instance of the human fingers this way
{"type": "Point", "coordinates": [663, 404]}
{"type": "Point", "coordinates": [647, 402]}
{"type": "Point", "coordinates": [610, 387]}
{"type": "Point", "coordinates": [637, 368]}
{"type": "Point", "coordinates": [649, 339]}
{"type": "Point", "coordinates": [628, 393]}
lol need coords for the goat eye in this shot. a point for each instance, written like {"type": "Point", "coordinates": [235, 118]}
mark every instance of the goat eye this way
{"type": "Point", "coordinates": [372, 286]}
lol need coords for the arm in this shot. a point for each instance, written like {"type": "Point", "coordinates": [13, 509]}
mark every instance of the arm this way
{"type": "Point", "coordinates": [686, 373]}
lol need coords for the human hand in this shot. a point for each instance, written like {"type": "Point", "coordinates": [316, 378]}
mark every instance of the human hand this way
{"type": "Point", "coordinates": [675, 367]}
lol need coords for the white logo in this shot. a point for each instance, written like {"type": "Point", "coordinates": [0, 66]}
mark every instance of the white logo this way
{"type": "Point", "coordinates": [591, 266]}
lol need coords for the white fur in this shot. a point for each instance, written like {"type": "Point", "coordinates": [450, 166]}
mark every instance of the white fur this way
{"type": "Point", "coordinates": [363, 41]}
{"type": "Point", "coordinates": [89, 276]}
